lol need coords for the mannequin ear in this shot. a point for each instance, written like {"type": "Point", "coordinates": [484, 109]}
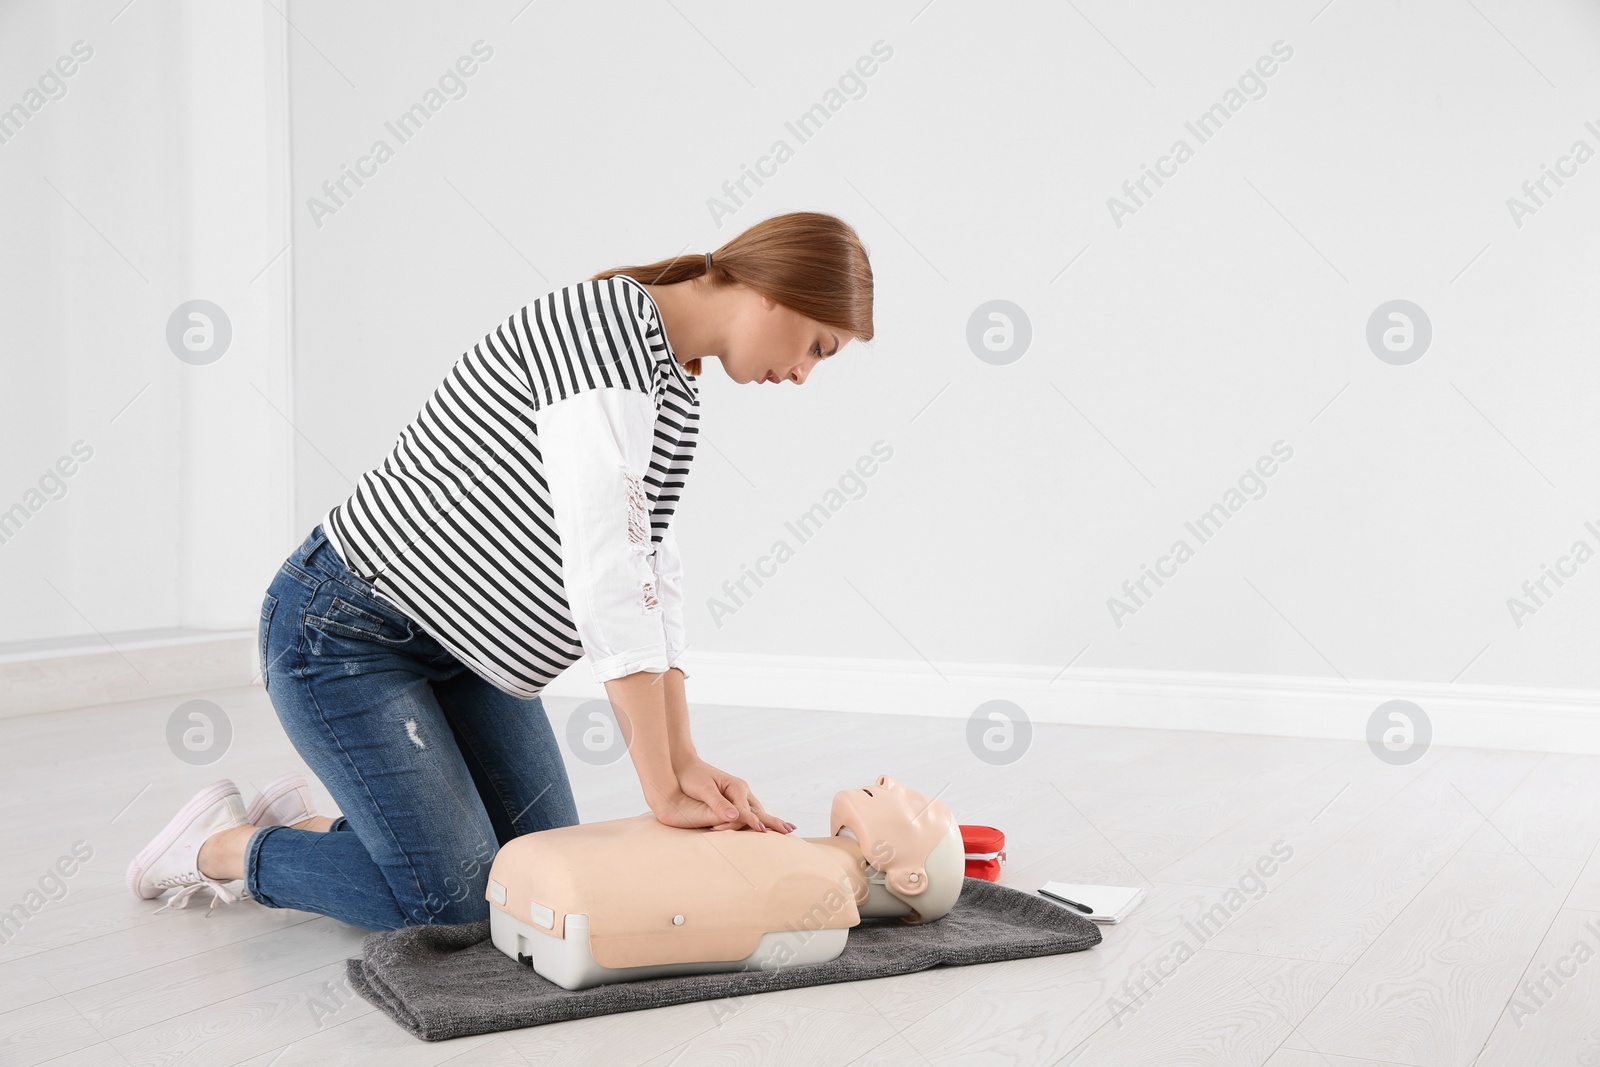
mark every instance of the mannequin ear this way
{"type": "Point", "coordinates": [907, 883]}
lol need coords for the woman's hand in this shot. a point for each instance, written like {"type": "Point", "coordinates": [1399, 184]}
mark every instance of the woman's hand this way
{"type": "Point", "coordinates": [710, 795]}
{"type": "Point", "coordinates": [678, 808]}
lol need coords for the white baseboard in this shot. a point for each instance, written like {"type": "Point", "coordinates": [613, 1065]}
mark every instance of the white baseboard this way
{"type": "Point", "coordinates": [1473, 716]}
{"type": "Point", "coordinates": [53, 676]}
{"type": "Point", "coordinates": [40, 676]}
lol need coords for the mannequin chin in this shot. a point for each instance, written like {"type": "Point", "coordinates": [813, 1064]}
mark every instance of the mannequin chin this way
{"type": "Point", "coordinates": [631, 898]}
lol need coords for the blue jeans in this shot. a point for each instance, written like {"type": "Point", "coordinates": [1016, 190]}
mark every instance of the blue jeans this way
{"type": "Point", "coordinates": [433, 767]}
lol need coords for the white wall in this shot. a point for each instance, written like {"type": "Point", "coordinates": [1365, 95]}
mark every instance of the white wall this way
{"type": "Point", "coordinates": [1169, 353]}
{"type": "Point", "coordinates": [142, 181]}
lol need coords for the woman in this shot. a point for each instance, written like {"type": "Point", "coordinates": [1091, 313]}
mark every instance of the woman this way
{"type": "Point", "coordinates": [521, 521]}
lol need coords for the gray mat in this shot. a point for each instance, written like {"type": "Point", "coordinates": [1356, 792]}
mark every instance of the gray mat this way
{"type": "Point", "coordinates": [441, 982]}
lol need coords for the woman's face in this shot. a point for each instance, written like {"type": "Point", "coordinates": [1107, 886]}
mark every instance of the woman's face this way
{"type": "Point", "coordinates": [769, 342]}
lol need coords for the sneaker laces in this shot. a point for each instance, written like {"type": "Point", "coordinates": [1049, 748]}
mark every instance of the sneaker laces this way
{"type": "Point", "coordinates": [191, 882]}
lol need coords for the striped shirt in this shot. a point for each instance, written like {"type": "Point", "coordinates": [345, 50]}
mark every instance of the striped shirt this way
{"type": "Point", "coordinates": [523, 518]}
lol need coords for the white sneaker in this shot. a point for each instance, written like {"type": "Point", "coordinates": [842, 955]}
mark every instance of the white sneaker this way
{"type": "Point", "coordinates": [170, 861]}
{"type": "Point", "coordinates": [283, 801]}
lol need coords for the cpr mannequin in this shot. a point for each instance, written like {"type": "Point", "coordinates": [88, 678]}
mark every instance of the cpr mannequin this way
{"type": "Point", "coordinates": [632, 898]}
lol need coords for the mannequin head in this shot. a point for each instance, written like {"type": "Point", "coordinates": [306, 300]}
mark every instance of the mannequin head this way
{"type": "Point", "coordinates": [911, 840]}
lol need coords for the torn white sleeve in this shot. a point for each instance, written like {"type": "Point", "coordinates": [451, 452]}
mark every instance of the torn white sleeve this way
{"type": "Point", "coordinates": [596, 447]}
{"type": "Point", "coordinates": [669, 587]}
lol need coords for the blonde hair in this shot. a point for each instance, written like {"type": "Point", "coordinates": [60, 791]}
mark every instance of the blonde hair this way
{"type": "Point", "coordinates": [808, 261]}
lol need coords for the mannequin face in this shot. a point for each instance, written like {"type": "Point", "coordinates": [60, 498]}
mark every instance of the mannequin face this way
{"type": "Point", "coordinates": [891, 801]}
{"type": "Point", "coordinates": [766, 338]}
{"type": "Point", "coordinates": [892, 818]}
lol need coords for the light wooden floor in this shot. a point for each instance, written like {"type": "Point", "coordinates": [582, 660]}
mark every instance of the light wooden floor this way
{"type": "Point", "coordinates": [1414, 905]}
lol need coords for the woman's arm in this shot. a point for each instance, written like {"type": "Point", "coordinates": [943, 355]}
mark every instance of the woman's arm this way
{"type": "Point", "coordinates": [680, 787]}
{"type": "Point", "coordinates": [641, 702]}
{"type": "Point", "coordinates": [679, 744]}
{"type": "Point", "coordinates": [651, 730]}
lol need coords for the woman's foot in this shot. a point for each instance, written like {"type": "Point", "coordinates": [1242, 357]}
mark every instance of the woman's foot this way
{"type": "Point", "coordinates": [221, 855]}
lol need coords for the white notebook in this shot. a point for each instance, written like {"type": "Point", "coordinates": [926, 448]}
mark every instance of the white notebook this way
{"type": "Point", "coordinates": [1111, 903]}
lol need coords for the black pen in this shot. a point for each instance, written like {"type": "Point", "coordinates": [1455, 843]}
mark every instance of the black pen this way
{"type": "Point", "coordinates": [1056, 896]}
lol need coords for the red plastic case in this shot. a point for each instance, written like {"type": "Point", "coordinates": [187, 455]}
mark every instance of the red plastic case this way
{"type": "Point", "coordinates": [986, 851]}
